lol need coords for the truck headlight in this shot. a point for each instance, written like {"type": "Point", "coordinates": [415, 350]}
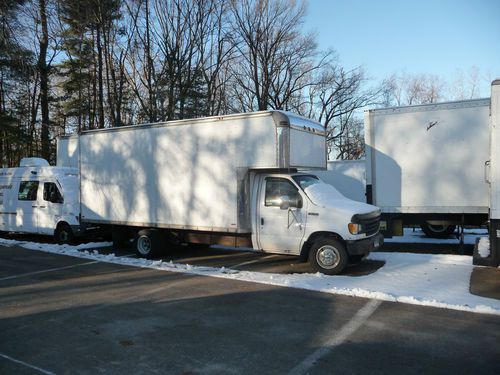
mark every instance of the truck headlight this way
{"type": "Point", "coordinates": [355, 228]}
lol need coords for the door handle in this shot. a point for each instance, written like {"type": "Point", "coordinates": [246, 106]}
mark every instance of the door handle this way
{"type": "Point", "coordinates": [487, 165]}
{"type": "Point", "coordinates": [42, 207]}
{"type": "Point", "coordinates": [261, 221]}
{"type": "Point", "coordinates": [34, 206]}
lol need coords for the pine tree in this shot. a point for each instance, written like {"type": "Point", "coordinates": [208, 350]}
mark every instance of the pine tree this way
{"type": "Point", "coordinates": [15, 63]}
{"type": "Point", "coordinates": [87, 23]}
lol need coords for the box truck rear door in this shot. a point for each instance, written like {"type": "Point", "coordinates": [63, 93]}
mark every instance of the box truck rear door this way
{"type": "Point", "coordinates": [281, 216]}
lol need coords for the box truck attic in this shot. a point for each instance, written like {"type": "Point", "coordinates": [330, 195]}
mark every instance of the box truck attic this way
{"type": "Point", "coordinates": [40, 199]}
{"type": "Point", "coordinates": [229, 180]}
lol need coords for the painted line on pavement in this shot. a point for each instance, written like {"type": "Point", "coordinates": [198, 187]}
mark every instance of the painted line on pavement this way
{"type": "Point", "coordinates": [253, 261]}
{"type": "Point", "coordinates": [47, 271]}
{"type": "Point", "coordinates": [27, 365]}
{"type": "Point", "coordinates": [338, 339]}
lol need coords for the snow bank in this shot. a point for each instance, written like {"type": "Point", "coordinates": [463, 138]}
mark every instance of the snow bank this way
{"type": "Point", "coordinates": [483, 247]}
{"type": "Point", "coordinates": [421, 279]}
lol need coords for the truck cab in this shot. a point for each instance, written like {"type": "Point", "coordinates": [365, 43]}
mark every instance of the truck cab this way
{"type": "Point", "coordinates": [299, 214]}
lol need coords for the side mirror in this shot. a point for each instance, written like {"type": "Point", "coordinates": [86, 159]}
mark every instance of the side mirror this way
{"type": "Point", "coordinates": [287, 202]}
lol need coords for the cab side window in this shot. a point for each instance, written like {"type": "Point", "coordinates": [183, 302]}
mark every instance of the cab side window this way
{"type": "Point", "coordinates": [51, 193]}
{"type": "Point", "coordinates": [28, 190]}
{"type": "Point", "coordinates": [276, 188]}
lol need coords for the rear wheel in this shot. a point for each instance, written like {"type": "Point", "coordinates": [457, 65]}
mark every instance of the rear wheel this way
{"type": "Point", "coordinates": [64, 234]}
{"type": "Point", "coordinates": [328, 256]}
{"type": "Point", "coordinates": [148, 243]}
{"type": "Point", "coordinates": [438, 231]}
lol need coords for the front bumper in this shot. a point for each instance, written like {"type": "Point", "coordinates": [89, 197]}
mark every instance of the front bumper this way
{"type": "Point", "coordinates": [366, 245]}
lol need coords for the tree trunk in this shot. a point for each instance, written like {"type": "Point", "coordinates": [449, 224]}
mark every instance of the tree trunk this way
{"type": "Point", "coordinates": [44, 82]}
{"type": "Point", "coordinates": [100, 104]}
{"type": "Point", "coordinates": [149, 71]}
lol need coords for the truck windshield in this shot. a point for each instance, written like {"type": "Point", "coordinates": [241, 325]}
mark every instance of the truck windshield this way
{"type": "Point", "coordinates": [305, 181]}
{"type": "Point", "coordinates": [318, 191]}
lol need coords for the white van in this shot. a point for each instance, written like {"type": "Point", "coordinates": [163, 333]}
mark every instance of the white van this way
{"type": "Point", "coordinates": [40, 199]}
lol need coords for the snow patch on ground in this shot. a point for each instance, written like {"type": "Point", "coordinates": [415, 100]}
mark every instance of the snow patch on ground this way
{"type": "Point", "coordinates": [483, 247]}
{"type": "Point", "coordinates": [421, 279]}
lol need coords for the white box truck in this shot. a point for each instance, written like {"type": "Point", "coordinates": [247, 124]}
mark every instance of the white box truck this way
{"type": "Point", "coordinates": [230, 180]}
{"type": "Point", "coordinates": [493, 177]}
{"type": "Point", "coordinates": [39, 199]}
{"type": "Point", "coordinates": [425, 165]}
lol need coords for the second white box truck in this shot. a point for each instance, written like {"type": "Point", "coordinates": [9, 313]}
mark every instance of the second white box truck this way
{"type": "Point", "coordinates": [425, 165]}
{"type": "Point", "coordinates": [231, 180]}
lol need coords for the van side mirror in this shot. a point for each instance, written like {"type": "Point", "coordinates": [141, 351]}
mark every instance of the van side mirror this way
{"type": "Point", "coordinates": [287, 202]}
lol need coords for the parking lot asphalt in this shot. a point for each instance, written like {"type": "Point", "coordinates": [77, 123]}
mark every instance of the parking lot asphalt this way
{"type": "Point", "coordinates": [65, 315]}
{"type": "Point", "coordinates": [484, 281]}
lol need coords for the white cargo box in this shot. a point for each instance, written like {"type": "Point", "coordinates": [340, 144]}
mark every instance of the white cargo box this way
{"type": "Point", "coordinates": [67, 151]}
{"type": "Point", "coordinates": [429, 158]}
{"type": "Point", "coordinates": [190, 174]}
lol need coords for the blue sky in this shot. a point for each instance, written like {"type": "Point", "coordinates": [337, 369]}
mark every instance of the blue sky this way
{"type": "Point", "coordinates": [438, 37]}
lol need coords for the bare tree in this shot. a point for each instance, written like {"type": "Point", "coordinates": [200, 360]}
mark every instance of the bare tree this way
{"type": "Point", "coordinates": [265, 31]}
{"type": "Point", "coordinates": [467, 85]}
{"type": "Point", "coordinates": [178, 34]}
{"type": "Point", "coordinates": [340, 96]}
{"type": "Point", "coordinates": [216, 52]}
{"type": "Point", "coordinates": [141, 72]}
{"type": "Point", "coordinates": [405, 89]}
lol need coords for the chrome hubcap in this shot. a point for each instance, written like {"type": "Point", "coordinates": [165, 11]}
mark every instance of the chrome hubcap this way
{"type": "Point", "coordinates": [328, 257]}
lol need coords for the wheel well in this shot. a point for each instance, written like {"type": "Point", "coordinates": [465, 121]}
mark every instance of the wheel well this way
{"type": "Point", "coordinates": [304, 253]}
{"type": "Point", "coordinates": [60, 224]}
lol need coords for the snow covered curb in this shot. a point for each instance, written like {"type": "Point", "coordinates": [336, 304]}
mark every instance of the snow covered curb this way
{"type": "Point", "coordinates": [421, 279]}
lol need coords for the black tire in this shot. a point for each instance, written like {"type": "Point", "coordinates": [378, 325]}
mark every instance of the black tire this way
{"type": "Point", "coordinates": [148, 244]}
{"type": "Point", "coordinates": [328, 255]}
{"type": "Point", "coordinates": [64, 235]}
{"type": "Point", "coordinates": [438, 231]}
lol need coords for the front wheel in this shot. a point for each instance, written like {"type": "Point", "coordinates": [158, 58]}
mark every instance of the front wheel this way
{"type": "Point", "coordinates": [63, 234]}
{"type": "Point", "coordinates": [328, 256]}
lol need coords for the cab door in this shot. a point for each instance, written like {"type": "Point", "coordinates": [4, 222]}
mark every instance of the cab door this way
{"type": "Point", "coordinates": [281, 216]}
{"type": "Point", "coordinates": [49, 208]}
{"type": "Point", "coordinates": [27, 207]}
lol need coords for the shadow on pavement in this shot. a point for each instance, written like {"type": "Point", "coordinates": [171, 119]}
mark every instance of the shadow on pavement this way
{"type": "Point", "coordinates": [485, 282]}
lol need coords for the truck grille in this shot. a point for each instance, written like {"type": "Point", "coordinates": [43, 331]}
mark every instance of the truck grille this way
{"type": "Point", "coordinates": [370, 222]}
